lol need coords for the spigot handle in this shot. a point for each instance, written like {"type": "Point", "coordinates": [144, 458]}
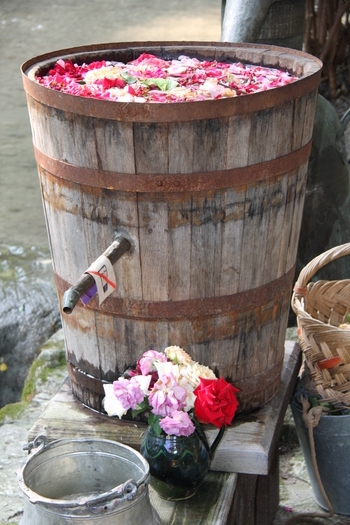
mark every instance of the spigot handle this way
{"type": "Point", "coordinates": [86, 281]}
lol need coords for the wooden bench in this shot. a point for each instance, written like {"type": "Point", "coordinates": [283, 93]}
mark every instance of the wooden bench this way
{"type": "Point", "coordinates": [242, 487]}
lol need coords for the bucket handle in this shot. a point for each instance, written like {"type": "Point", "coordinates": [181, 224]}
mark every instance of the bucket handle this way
{"type": "Point", "coordinates": [39, 443]}
{"type": "Point", "coordinates": [119, 246]}
{"type": "Point", "coordinates": [127, 490]}
{"type": "Point", "coordinates": [109, 500]}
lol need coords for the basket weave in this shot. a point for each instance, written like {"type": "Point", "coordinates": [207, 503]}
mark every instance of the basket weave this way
{"type": "Point", "coordinates": [320, 308]}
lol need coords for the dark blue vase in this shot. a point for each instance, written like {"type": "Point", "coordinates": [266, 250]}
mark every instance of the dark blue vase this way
{"type": "Point", "coordinates": [178, 465]}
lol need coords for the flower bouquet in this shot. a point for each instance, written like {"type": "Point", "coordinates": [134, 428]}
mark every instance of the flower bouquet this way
{"type": "Point", "coordinates": [178, 394]}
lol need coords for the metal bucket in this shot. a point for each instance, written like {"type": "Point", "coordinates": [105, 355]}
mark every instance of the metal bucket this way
{"type": "Point", "coordinates": [332, 445]}
{"type": "Point", "coordinates": [85, 481]}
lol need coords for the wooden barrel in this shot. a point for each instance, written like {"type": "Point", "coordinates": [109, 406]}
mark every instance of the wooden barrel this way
{"type": "Point", "coordinates": [211, 194]}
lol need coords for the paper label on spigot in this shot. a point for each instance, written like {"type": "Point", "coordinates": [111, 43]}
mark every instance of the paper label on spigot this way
{"type": "Point", "coordinates": [103, 274]}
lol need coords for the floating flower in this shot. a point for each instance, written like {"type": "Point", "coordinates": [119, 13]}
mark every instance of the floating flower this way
{"type": "Point", "coordinates": [97, 74]}
{"type": "Point", "coordinates": [156, 80]}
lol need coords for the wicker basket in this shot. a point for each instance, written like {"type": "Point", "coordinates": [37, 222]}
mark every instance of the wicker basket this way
{"type": "Point", "coordinates": [321, 307]}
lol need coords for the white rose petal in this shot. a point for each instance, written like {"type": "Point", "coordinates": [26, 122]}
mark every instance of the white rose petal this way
{"type": "Point", "coordinates": [97, 74]}
{"type": "Point", "coordinates": [177, 354]}
{"type": "Point", "coordinates": [112, 406]}
{"type": "Point", "coordinates": [144, 382]}
{"type": "Point", "coordinates": [177, 70]}
{"type": "Point", "coordinates": [194, 371]}
{"type": "Point", "coordinates": [165, 368]}
{"type": "Point", "coordinates": [126, 98]}
{"type": "Point", "coordinates": [212, 88]}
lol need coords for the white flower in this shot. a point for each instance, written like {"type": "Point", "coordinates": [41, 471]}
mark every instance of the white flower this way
{"type": "Point", "coordinates": [176, 70]}
{"type": "Point", "coordinates": [194, 371]}
{"type": "Point", "coordinates": [211, 86]}
{"type": "Point", "coordinates": [112, 406]}
{"type": "Point", "coordinates": [166, 368]}
{"type": "Point", "coordinates": [117, 92]}
{"type": "Point", "coordinates": [178, 355]}
{"type": "Point", "coordinates": [97, 74]}
{"type": "Point", "coordinates": [126, 98]}
{"type": "Point", "coordinates": [141, 100]}
{"type": "Point", "coordinates": [144, 382]}
{"type": "Point", "coordinates": [190, 397]}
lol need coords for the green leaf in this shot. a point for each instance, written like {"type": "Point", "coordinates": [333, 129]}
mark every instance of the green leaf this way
{"type": "Point", "coordinates": [153, 421]}
{"type": "Point", "coordinates": [313, 401]}
{"type": "Point", "coordinates": [164, 84]}
{"type": "Point", "coordinates": [82, 82]}
{"type": "Point", "coordinates": [141, 407]}
{"type": "Point", "coordinates": [128, 78]}
{"type": "Point", "coordinates": [230, 78]}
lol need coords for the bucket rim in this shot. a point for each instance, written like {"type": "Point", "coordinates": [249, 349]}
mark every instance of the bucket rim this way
{"type": "Point", "coordinates": [124, 491]}
{"type": "Point", "coordinates": [325, 417]}
{"type": "Point", "coordinates": [308, 80]}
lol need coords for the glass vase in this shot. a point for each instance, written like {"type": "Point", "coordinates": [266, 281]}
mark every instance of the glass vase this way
{"type": "Point", "coordinates": [178, 464]}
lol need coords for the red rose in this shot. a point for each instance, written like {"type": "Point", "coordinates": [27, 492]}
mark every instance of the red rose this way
{"type": "Point", "coordinates": [216, 402]}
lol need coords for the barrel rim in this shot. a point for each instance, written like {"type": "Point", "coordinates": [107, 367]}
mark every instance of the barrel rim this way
{"type": "Point", "coordinates": [177, 111]}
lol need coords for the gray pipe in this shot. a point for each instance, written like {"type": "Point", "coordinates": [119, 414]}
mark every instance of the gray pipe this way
{"type": "Point", "coordinates": [242, 20]}
{"type": "Point", "coordinates": [71, 297]}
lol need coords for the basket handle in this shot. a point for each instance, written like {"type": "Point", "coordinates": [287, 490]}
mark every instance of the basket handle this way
{"type": "Point", "coordinates": [318, 262]}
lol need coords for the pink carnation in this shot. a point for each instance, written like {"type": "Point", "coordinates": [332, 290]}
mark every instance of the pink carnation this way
{"type": "Point", "coordinates": [128, 392]}
{"type": "Point", "coordinates": [167, 396]}
{"type": "Point", "coordinates": [179, 424]}
{"type": "Point", "coordinates": [147, 360]}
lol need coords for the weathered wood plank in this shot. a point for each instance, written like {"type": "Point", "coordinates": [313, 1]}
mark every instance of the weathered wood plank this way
{"type": "Point", "coordinates": [153, 248]}
{"type": "Point", "coordinates": [210, 506]}
{"type": "Point", "coordinates": [232, 241]}
{"type": "Point", "coordinates": [256, 498]}
{"type": "Point", "coordinates": [237, 156]}
{"type": "Point", "coordinates": [276, 226]}
{"type": "Point", "coordinates": [204, 233]}
{"type": "Point", "coordinates": [151, 148]}
{"type": "Point", "coordinates": [179, 225]}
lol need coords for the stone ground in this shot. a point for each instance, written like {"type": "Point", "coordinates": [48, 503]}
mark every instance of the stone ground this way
{"type": "Point", "coordinates": [45, 378]}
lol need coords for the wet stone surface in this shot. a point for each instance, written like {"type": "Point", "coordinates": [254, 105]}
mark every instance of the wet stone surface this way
{"type": "Point", "coordinates": [29, 314]}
